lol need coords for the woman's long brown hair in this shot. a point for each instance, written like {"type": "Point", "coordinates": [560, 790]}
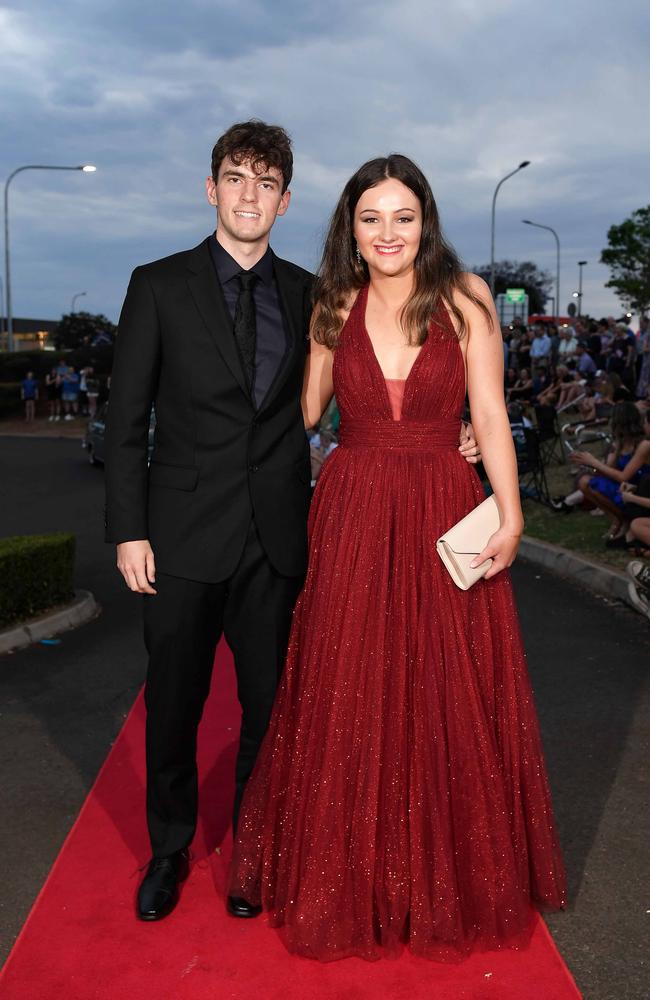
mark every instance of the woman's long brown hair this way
{"type": "Point", "coordinates": [627, 425]}
{"type": "Point", "coordinates": [438, 270]}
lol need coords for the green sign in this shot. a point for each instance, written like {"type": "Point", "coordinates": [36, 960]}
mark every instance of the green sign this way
{"type": "Point", "coordinates": [515, 294]}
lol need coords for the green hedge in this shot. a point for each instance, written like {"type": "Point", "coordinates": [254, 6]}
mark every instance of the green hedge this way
{"type": "Point", "coordinates": [10, 401]}
{"type": "Point", "coordinates": [36, 573]}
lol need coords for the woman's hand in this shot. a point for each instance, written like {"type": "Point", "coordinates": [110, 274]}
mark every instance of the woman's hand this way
{"type": "Point", "coordinates": [628, 488]}
{"type": "Point", "coordinates": [584, 458]}
{"type": "Point", "coordinates": [502, 548]}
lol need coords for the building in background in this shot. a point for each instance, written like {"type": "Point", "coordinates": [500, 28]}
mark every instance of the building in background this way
{"type": "Point", "coordinates": [29, 334]}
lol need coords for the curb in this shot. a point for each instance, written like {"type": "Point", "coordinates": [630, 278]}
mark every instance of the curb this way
{"type": "Point", "coordinates": [594, 576]}
{"type": "Point", "coordinates": [82, 609]}
{"type": "Point", "coordinates": [43, 437]}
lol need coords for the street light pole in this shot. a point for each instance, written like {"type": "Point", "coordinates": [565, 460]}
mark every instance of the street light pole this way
{"type": "Point", "coordinates": [527, 222]}
{"type": "Point", "coordinates": [86, 168]}
{"type": "Point", "coordinates": [74, 299]}
{"type": "Point", "coordinates": [521, 166]}
{"type": "Point", "coordinates": [581, 264]}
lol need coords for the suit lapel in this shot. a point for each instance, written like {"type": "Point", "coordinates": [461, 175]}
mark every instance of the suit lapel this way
{"type": "Point", "coordinates": [291, 292]}
{"type": "Point", "coordinates": [208, 297]}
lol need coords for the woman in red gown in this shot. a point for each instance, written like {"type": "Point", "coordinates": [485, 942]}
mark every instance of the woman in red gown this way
{"type": "Point", "coordinates": [400, 795]}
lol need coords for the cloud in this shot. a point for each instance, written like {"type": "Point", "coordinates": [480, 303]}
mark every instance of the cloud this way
{"type": "Point", "coordinates": [467, 89]}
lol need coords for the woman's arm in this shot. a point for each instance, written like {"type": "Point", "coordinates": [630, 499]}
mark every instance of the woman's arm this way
{"type": "Point", "coordinates": [640, 457]}
{"type": "Point", "coordinates": [318, 384]}
{"type": "Point", "coordinates": [484, 357]}
{"type": "Point", "coordinates": [629, 496]}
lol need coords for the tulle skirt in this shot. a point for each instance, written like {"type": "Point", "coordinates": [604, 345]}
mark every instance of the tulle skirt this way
{"type": "Point", "coordinates": [400, 796]}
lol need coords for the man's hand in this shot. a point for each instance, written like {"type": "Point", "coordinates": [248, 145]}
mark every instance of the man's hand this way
{"type": "Point", "coordinates": [136, 564]}
{"type": "Point", "coordinates": [468, 447]}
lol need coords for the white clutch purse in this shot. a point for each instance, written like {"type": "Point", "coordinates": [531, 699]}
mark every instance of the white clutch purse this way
{"type": "Point", "coordinates": [458, 546]}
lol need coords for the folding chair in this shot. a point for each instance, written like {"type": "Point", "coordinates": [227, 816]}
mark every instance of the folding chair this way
{"type": "Point", "coordinates": [530, 467]}
{"type": "Point", "coordinates": [548, 430]}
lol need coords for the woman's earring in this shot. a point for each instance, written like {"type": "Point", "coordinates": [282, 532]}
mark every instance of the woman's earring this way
{"type": "Point", "coordinates": [358, 255]}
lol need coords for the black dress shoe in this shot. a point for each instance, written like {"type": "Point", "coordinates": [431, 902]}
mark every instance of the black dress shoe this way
{"type": "Point", "coordinates": [158, 894]}
{"type": "Point", "coordinates": [238, 907]}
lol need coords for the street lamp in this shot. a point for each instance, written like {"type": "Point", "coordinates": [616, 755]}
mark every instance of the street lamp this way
{"type": "Point", "coordinates": [521, 166]}
{"type": "Point", "coordinates": [74, 299]}
{"type": "Point", "coordinates": [527, 222]}
{"type": "Point", "coordinates": [87, 168]}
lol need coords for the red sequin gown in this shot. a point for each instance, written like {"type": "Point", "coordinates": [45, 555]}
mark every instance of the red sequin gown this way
{"type": "Point", "coordinates": [400, 795]}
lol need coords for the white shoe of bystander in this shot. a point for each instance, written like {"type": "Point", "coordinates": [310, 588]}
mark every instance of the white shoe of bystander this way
{"type": "Point", "coordinates": [640, 572]}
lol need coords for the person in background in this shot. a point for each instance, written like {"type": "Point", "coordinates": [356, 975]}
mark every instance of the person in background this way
{"type": "Point", "coordinates": [636, 504]}
{"type": "Point", "coordinates": [541, 382]}
{"type": "Point", "coordinates": [523, 387]}
{"type": "Point", "coordinates": [554, 336]}
{"type": "Point", "coordinates": [510, 379]}
{"type": "Point", "coordinates": [540, 349]}
{"type": "Point", "coordinates": [568, 345]}
{"type": "Point", "coordinates": [92, 390]}
{"type": "Point", "coordinates": [550, 395]}
{"type": "Point", "coordinates": [70, 394]}
{"type": "Point", "coordinates": [513, 337]}
{"type": "Point", "coordinates": [83, 392]}
{"type": "Point", "coordinates": [636, 507]}
{"type": "Point", "coordinates": [62, 371]}
{"type": "Point", "coordinates": [622, 354]}
{"type": "Point", "coordinates": [53, 390]}
{"type": "Point", "coordinates": [523, 349]}
{"type": "Point", "coordinates": [643, 349]}
{"type": "Point", "coordinates": [29, 394]}
{"type": "Point", "coordinates": [627, 462]}
{"type": "Point", "coordinates": [572, 389]}
{"type": "Point", "coordinates": [586, 366]}
{"type": "Point", "coordinates": [594, 345]}
{"type": "Point", "coordinates": [598, 400]}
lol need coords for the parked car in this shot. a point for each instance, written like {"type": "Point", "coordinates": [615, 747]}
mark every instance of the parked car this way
{"type": "Point", "coordinates": [94, 440]}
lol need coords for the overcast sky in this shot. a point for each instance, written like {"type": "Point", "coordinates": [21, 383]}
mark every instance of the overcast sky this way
{"type": "Point", "coordinates": [468, 88]}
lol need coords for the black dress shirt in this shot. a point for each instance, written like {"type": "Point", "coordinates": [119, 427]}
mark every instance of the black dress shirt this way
{"type": "Point", "coordinates": [271, 337]}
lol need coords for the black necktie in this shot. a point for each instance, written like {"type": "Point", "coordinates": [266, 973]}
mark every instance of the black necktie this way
{"type": "Point", "coordinates": [244, 326]}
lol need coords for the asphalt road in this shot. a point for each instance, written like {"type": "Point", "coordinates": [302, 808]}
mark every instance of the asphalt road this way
{"type": "Point", "coordinates": [62, 706]}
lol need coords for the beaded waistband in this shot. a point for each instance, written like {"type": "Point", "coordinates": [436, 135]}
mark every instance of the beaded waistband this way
{"type": "Point", "coordinates": [398, 435]}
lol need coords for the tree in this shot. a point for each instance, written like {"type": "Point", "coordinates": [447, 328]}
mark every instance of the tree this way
{"type": "Point", "coordinates": [628, 258]}
{"type": "Point", "coordinates": [82, 329]}
{"type": "Point", "coordinates": [520, 274]}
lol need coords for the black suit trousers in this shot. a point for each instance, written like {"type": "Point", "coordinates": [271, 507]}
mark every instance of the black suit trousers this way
{"type": "Point", "coordinates": [183, 624]}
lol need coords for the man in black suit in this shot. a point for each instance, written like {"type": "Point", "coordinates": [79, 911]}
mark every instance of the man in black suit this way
{"type": "Point", "coordinates": [214, 531]}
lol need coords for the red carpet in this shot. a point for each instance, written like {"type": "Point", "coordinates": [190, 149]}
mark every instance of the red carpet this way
{"type": "Point", "coordinates": [82, 942]}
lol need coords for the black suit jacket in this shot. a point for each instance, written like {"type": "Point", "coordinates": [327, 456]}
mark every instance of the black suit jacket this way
{"type": "Point", "coordinates": [216, 460]}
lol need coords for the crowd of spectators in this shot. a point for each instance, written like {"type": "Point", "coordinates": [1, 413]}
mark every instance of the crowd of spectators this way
{"type": "Point", "coordinates": [70, 392]}
{"type": "Point", "coordinates": [582, 370]}
{"type": "Point", "coordinates": [592, 376]}
{"type": "Point", "coordinates": [533, 354]}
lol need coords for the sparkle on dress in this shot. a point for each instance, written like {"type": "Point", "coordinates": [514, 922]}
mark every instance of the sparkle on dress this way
{"type": "Point", "coordinates": [400, 796]}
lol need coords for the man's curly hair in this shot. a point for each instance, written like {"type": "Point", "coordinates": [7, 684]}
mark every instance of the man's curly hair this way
{"type": "Point", "coordinates": [264, 145]}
